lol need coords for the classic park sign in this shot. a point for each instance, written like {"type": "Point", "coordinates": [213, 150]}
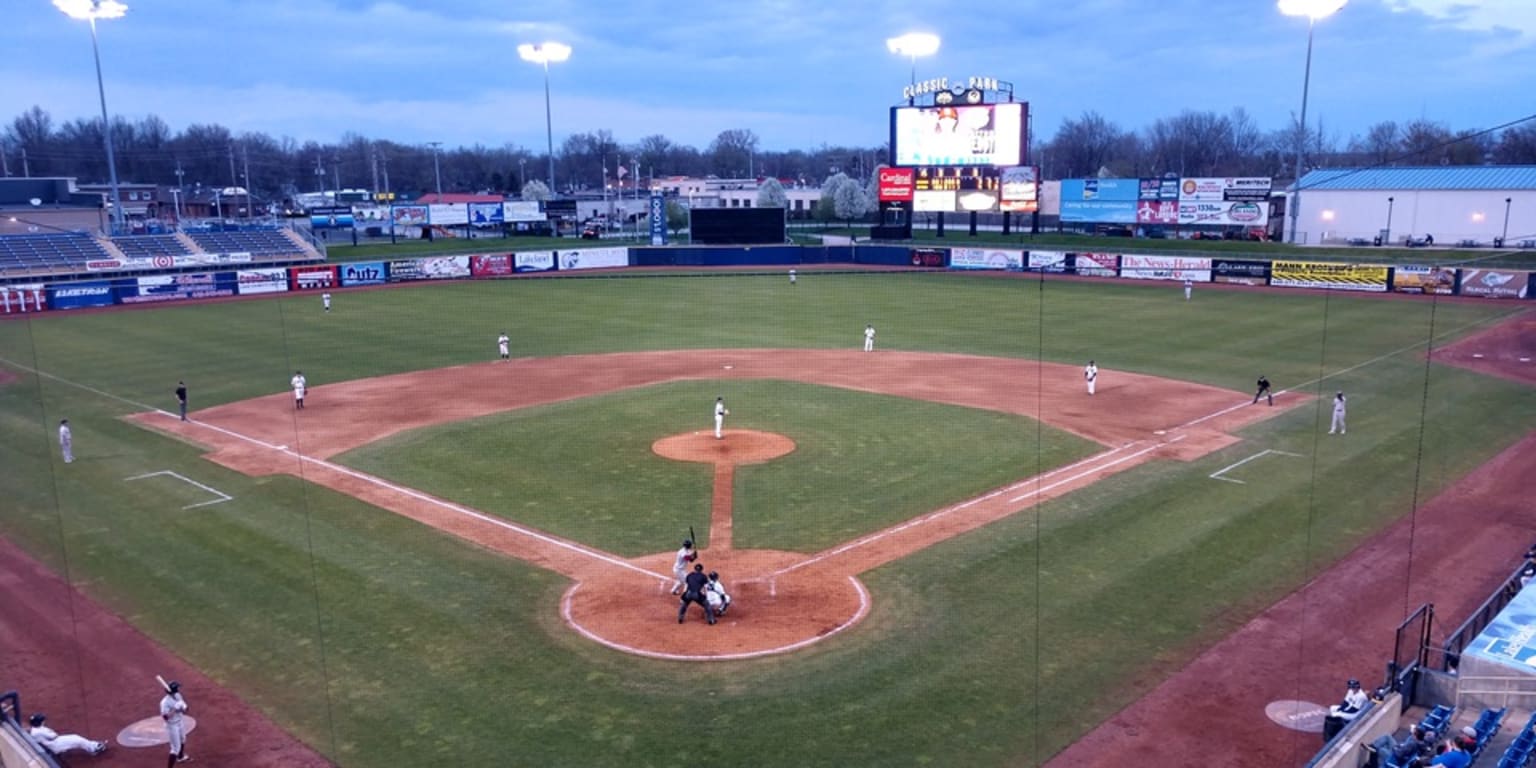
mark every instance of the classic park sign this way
{"type": "Point", "coordinates": [941, 84]}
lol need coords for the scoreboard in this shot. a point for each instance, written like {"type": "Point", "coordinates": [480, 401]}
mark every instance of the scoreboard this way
{"type": "Point", "coordinates": [955, 188]}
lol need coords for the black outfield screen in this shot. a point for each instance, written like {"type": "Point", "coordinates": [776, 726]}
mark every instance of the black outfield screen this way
{"type": "Point", "coordinates": [737, 226]}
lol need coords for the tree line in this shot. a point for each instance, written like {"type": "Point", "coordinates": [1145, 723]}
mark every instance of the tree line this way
{"type": "Point", "coordinates": [1191, 143]}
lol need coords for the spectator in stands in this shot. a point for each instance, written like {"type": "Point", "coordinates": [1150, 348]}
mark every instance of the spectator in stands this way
{"type": "Point", "coordinates": [1467, 739]}
{"type": "Point", "coordinates": [1419, 743]}
{"type": "Point", "coordinates": [1452, 756]}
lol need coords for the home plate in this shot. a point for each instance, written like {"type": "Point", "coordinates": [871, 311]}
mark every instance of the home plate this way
{"type": "Point", "coordinates": [1160, 432]}
{"type": "Point", "coordinates": [150, 732]}
{"type": "Point", "coordinates": [1477, 355]}
{"type": "Point", "coordinates": [1525, 359]}
{"type": "Point", "coordinates": [728, 367]}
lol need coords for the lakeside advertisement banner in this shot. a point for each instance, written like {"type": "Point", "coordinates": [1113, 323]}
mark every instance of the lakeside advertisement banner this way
{"type": "Point", "coordinates": [1495, 283]}
{"type": "Point", "coordinates": [177, 287]}
{"type": "Point", "coordinates": [1240, 272]}
{"type": "Point", "coordinates": [362, 273]}
{"type": "Point", "coordinates": [1047, 261]}
{"type": "Point", "coordinates": [1224, 213]}
{"type": "Point", "coordinates": [1098, 211]}
{"type": "Point", "coordinates": [1138, 267]}
{"type": "Point", "coordinates": [533, 261]}
{"type": "Point", "coordinates": [1334, 276]}
{"type": "Point", "coordinates": [594, 258]}
{"type": "Point", "coordinates": [252, 281]}
{"type": "Point", "coordinates": [1415, 279]}
{"type": "Point", "coordinates": [311, 278]}
{"type": "Point", "coordinates": [1097, 264]}
{"type": "Point", "coordinates": [985, 258]}
{"type": "Point", "coordinates": [490, 265]}
{"type": "Point", "coordinates": [485, 214]}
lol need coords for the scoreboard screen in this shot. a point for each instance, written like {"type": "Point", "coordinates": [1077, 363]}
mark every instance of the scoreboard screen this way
{"type": "Point", "coordinates": [955, 188]}
{"type": "Point", "coordinates": [993, 135]}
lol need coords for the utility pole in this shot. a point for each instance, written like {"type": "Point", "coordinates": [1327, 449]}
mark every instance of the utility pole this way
{"type": "Point", "coordinates": [336, 172]}
{"type": "Point", "coordinates": [26, 170]}
{"type": "Point", "coordinates": [384, 161]}
{"type": "Point", "coordinates": [234, 181]}
{"type": "Point", "coordinates": [5, 165]}
{"type": "Point", "coordinates": [373, 160]}
{"type": "Point", "coordinates": [437, 171]}
{"type": "Point", "coordinates": [319, 175]}
{"type": "Point", "coordinates": [181, 189]}
{"type": "Point", "coordinates": [245, 168]}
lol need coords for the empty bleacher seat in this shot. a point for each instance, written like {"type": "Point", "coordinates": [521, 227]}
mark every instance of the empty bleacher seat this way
{"type": "Point", "coordinates": [149, 246]}
{"type": "Point", "coordinates": [260, 243]}
{"type": "Point", "coordinates": [48, 252]}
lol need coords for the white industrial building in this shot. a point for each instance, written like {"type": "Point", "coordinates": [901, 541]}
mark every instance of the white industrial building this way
{"type": "Point", "coordinates": [1455, 205]}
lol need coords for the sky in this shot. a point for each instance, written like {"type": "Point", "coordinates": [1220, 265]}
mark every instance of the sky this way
{"type": "Point", "coordinates": [798, 73]}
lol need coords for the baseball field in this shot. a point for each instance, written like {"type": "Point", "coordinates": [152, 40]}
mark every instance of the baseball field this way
{"type": "Point", "coordinates": [943, 552]}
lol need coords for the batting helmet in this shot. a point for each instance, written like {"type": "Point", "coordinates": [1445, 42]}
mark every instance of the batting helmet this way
{"type": "Point", "coordinates": [714, 576]}
{"type": "Point", "coordinates": [173, 687]}
{"type": "Point", "coordinates": [688, 543]}
{"type": "Point", "coordinates": [37, 719]}
{"type": "Point", "coordinates": [1353, 683]}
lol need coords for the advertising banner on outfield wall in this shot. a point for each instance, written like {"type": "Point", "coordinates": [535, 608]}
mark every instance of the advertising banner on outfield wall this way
{"type": "Point", "coordinates": [1047, 261]}
{"type": "Point", "coordinates": [1097, 264]}
{"type": "Point", "coordinates": [594, 258]}
{"type": "Point", "coordinates": [362, 273]}
{"type": "Point", "coordinates": [1240, 272]}
{"type": "Point", "coordinates": [485, 214]}
{"type": "Point", "coordinates": [1338, 277]}
{"type": "Point", "coordinates": [985, 258]}
{"type": "Point", "coordinates": [408, 215]}
{"type": "Point", "coordinates": [1139, 267]}
{"type": "Point", "coordinates": [1224, 213]}
{"type": "Point", "coordinates": [1495, 283]}
{"type": "Point", "coordinates": [442, 267]}
{"type": "Point", "coordinates": [253, 281]}
{"type": "Point", "coordinates": [533, 261]}
{"type": "Point", "coordinates": [1250, 189]}
{"type": "Point", "coordinates": [497, 265]}
{"type": "Point", "coordinates": [1159, 189]}
{"type": "Point", "coordinates": [93, 293]}
{"type": "Point", "coordinates": [1413, 279]}
{"type": "Point", "coordinates": [448, 215]}
{"type": "Point", "coordinates": [21, 299]}
{"type": "Point", "coordinates": [178, 287]}
{"type": "Point", "coordinates": [311, 278]}
{"type": "Point", "coordinates": [927, 257]}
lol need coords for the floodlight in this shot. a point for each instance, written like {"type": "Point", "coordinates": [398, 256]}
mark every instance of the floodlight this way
{"type": "Point", "coordinates": [1313, 9]}
{"type": "Point", "coordinates": [86, 10]}
{"type": "Point", "coordinates": [544, 53]}
{"type": "Point", "coordinates": [914, 44]}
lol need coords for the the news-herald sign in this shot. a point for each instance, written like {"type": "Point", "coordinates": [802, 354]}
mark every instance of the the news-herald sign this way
{"type": "Point", "coordinates": [895, 184]}
{"type": "Point", "coordinates": [362, 273]}
{"type": "Point", "coordinates": [1240, 272]}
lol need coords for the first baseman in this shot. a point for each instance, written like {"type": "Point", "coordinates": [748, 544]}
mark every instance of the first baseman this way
{"type": "Point", "coordinates": [720, 413]}
{"type": "Point", "coordinates": [172, 708]}
{"type": "Point", "coordinates": [869, 338]}
{"type": "Point", "coordinates": [1091, 375]}
{"type": "Point", "coordinates": [1338, 414]}
{"type": "Point", "coordinates": [300, 384]}
{"type": "Point", "coordinates": [685, 555]}
{"type": "Point", "coordinates": [1263, 391]}
{"type": "Point", "coordinates": [503, 344]}
{"type": "Point", "coordinates": [66, 441]}
{"type": "Point", "coordinates": [181, 398]}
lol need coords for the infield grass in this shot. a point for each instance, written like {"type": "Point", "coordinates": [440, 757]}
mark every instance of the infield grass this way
{"type": "Point", "coordinates": [382, 642]}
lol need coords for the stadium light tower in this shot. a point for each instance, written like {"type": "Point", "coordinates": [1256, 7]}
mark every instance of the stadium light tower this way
{"type": "Point", "coordinates": [912, 45]}
{"type": "Point", "coordinates": [91, 10]}
{"type": "Point", "coordinates": [1313, 10]}
{"type": "Point", "coordinates": [544, 53]}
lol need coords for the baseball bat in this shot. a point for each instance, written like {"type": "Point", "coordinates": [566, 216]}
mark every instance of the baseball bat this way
{"type": "Point", "coordinates": [693, 538]}
{"type": "Point", "coordinates": [163, 683]}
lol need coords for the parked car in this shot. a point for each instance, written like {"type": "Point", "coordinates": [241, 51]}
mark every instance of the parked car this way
{"type": "Point", "coordinates": [591, 232]}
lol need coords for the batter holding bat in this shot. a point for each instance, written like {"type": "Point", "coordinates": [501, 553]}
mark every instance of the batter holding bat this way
{"type": "Point", "coordinates": [172, 709]}
{"type": "Point", "coordinates": [685, 555]}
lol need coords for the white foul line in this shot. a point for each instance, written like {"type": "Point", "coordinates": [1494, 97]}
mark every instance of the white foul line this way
{"type": "Point", "coordinates": [223, 497]}
{"type": "Point", "coordinates": [1217, 475]}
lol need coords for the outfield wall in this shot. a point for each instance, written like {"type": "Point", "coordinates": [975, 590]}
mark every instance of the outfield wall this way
{"type": "Point", "coordinates": [1284, 273]}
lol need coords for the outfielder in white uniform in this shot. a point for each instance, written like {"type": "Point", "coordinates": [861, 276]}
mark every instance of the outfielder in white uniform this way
{"type": "Point", "coordinates": [1091, 375]}
{"type": "Point", "coordinates": [869, 338]}
{"type": "Point", "coordinates": [1338, 414]}
{"type": "Point", "coordinates": [685, 555]}
{"type": "Point", "coordinates": [66, 441]}
{"type": "Point", "coordinates": [791, 277]}
{"type": "Point", "coordinates": [325, 298]}
{"type": "Point", "coordinates": [502, 345]}
{"type": "Point", "coordinates": [172, 708]}
{"type": "Point", "coordinates": [720, 413]}
{"type": "Point", "coordinates": [1189, 288]}
{"type": "Point", "coordinates": [300, 384]}
{"type": "Point", "coordinates": [715, 594]}
{"type": "Point", "coordinates": [58, 743]}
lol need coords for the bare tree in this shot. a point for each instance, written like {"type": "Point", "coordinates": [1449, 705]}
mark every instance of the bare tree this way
{"type": "Point", "coordinates": [1083, 146]}
{"type": "Point", "coordinates": [1517, 145]}
{"type": "Point", "coordinates": [731, 153]}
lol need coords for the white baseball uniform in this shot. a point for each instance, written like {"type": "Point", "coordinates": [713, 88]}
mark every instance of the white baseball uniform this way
{"type": "Point", "coordinates": [58, 743]}
{"type": "Point", "coordinates": [680, 568]}
{"type": "Point", "coordinates": [791, 277]}
{"type": "Point", "coordinates": [66, 443]}
{"type": "Point", "coordinates": [1189, 288]}
{"type": "Point", "coordinates": [869, 338]}
{"type": "Point", "coordinates": [502, 343]}
{"type": "Point", "coordinates": [172, 707]}
{"type": "Point", "coordinates": [1338, 415]}
{"type": "Point", "coordinates": [719, 418]}
{"type": "Point", "coordinates": [716, 596]}
{"type": "Point", "coordinates": [300, 384]}
{"type": "Point", "coordinates": [1091, 375]}
{"type": "Point", "coordinates": [325, 298]}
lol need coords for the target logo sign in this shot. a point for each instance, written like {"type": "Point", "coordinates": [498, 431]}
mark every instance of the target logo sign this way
{"type": "Point", "coordinates": [164, 262]}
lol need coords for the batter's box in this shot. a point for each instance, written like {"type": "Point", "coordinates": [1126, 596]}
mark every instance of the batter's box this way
{"type": "Point", "coordinates": [219, 496]}
{"type": "Point", "coordinates": [1219, 474]}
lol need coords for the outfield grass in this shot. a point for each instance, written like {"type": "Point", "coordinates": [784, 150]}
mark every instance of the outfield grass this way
{"type": "Point", "coordinates": [997, 647]}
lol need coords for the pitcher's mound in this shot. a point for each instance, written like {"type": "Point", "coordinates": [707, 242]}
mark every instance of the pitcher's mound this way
{"type": "Point", "coordinates": [736, 446]}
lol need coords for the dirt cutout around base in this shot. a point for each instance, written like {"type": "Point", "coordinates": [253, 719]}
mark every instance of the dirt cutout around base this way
{"type": "Point", "coordinates": [785, 601]}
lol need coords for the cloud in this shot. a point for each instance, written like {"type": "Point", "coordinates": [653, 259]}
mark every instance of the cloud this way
{"type": "Point", "coordinates": [1506, 16]}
